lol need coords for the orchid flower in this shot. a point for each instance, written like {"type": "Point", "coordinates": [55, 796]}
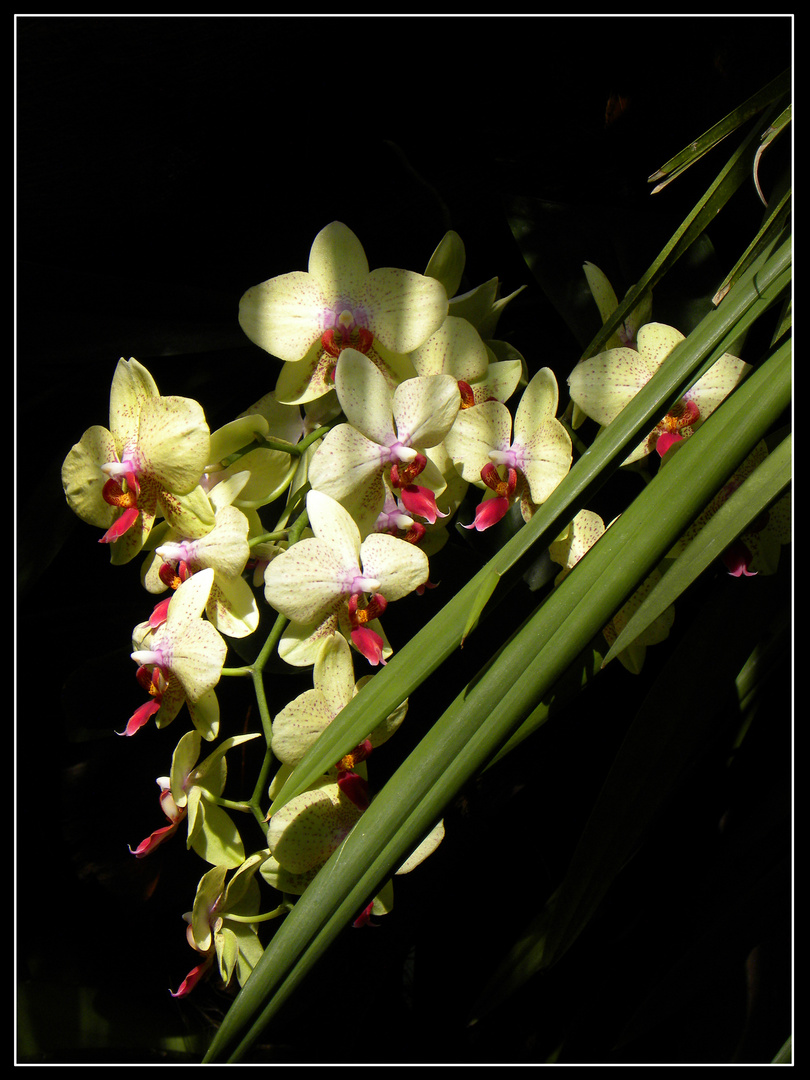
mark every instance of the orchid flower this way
{"type": "Point", "coordinates": [535, 457]}
{"type": "Point", "coordinates": [328, 573]}
{"type": "Point", "coordinates": [306, 318]}
{"type": "Point", "coordinates": [231, 605]}
{"type": "Point", "coordinates": [233, 943]}
{"type": "Point", "coordinates": [457, 349]}
{"type": "Point", "coordinates": [149, 462]}
{"type": "Point", "coordinates": [180, 661]}
{"type": "Point", "coordinates": [300, 642]}
{"type": "Point", "coordinates": [602, 385]}
{"type": "Point", "coordinates": [387, 436]}
{"type": "Point", "coordinates": [191, 792]}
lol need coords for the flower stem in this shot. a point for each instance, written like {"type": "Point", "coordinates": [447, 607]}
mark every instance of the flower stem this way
{"type": "Point", "coordinates": [296, 449]}
{"type": "Point", "coordinates": [282, 909]}
{"type": "Point", "coordinates": [267, 538]}
{"type": "Point", "coordinates": [260, 788]}
{"type": "Point", "coordinates": [232, 804]}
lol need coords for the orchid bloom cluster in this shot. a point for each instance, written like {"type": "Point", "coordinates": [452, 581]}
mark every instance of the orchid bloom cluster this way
{"type": "Point", "coordinates": [323, 503]}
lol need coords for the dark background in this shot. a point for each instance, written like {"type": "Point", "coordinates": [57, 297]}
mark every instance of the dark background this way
{"type": "Point", "coordinates": [164, 165]}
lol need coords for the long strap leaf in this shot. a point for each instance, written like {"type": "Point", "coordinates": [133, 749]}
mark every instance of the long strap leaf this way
{"type": "Point", "coordinates": [719, 131]}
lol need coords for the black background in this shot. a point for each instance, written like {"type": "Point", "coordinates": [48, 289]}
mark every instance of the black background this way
{"type": "Point", "coordinates": [164, 165]}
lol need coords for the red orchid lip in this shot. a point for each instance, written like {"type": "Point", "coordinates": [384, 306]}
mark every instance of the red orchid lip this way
{"type": "Point", "coordinates": [369, 643]}
{"type": "Point", "coordinates": [489, 513]}
{"type": "Point", "coordinates": [120, 525]}
{"type": "Point", "coordinates": [193, 977]}
{"type": "Point", "coordinates": [421, 501]}
{"type": "Point", "coordinates": [354, 787]}
{"type": "Point", "coordinates": [140, 716]}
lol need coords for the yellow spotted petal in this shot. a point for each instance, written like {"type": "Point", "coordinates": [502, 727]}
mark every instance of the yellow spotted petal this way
{"type": "Point", "coordinates": [132, 387]}
{"type": "Point", "coordinates": [305, 831]}
{"type": "Point", "coordinates": [173, 442]}
{"type": "Point", "coordinates": [83, 480]}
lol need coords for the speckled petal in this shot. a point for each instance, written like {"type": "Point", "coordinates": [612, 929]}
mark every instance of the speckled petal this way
{"type": "Point", "coordinates": [197, 659]}
{"type": "Point", "coordinates": [656, 341]}
{"type": "Point", "coordinates": [475, 432]}
{"type": "Point", "coordinates": [83, 480]}
{"type": "Point", "coordinates": [454, 349]}
{"type": "Point", "coordinates": [365, 397]}
{"type": "Point", "coordinates": [232, 607]}
{"type": "Point", "coordinates": [132, 387]}
{"type": "Point", "coordinates": [546, 459]}
{"type": "Point", "coordinates": [403, 309]}
{"type": "Point", "coordinates": [537, 405]}
{"type": "Point", "coordinates": [335, 527]}
{"type": "Point", "coordinates": [717, 384]}
{"type": "Point", "coordinates": [305, 583]}
{"type": "Point", "coordinates": [337, 262]}
{"type": "Point", "coordinates": [349, 468]}
{"type": "Point", "coordinates": [188, 602]}
{"type": "Point", "coordinates": [602, 385]}
{"type": "Point", "coordinates": [425, 408]}
{"type": "Point", "coordinates": [299, 724]}
{"type": "Point", "coordinates": [333, 675]}
{"type": "Point", "coordinates": [225, 548]}
{"type": "Point", "coordinates": [306, 831]}
{"type": "Point", "coordinates": [400, 567]}
{"type": "Point", "coordinates": [582, 534]}
{"type": "Point", "coordinates": [285, 315]}
{"type": "Point", "coordinates": [173, 442]}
